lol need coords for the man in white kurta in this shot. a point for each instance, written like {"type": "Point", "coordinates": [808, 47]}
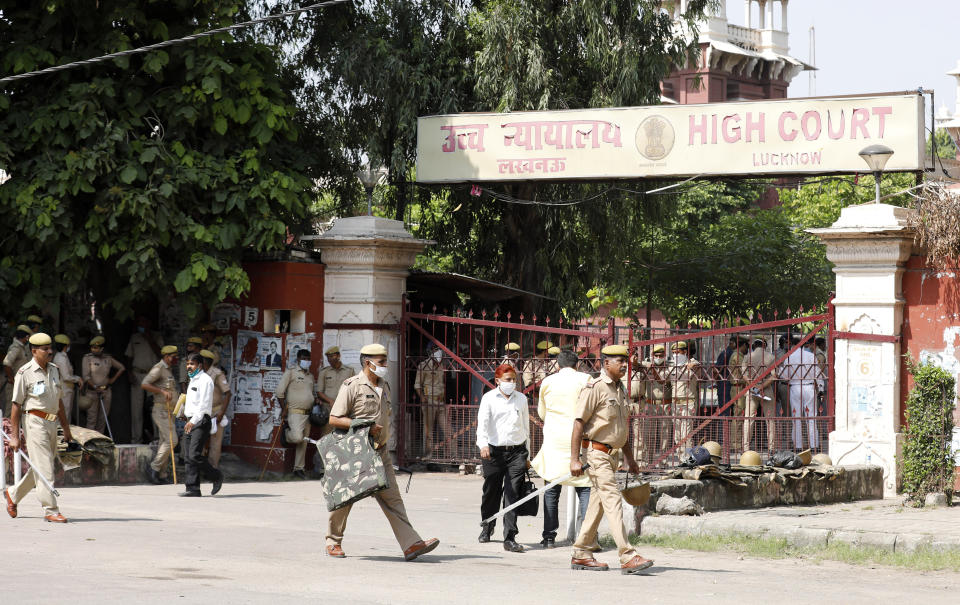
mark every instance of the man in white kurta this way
{"type": "Point", "coordinates": [558, 399]}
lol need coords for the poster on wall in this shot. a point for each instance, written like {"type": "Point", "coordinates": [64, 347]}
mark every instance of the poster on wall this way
{"type": "Point", "coordinates": [248, 350]}
{"type": "Point", "coordinates": [268, 419]}
{"type": "Point", "coordinates": [248, 396]}
{"type": "Point", "coordinates": [269, 350]}
{"type": "Point", "coordinates": [296, 342]}
{"type": "Point", "coordinates": [223, 314]}
{"type": "Point", "coordinates": [271, 379]}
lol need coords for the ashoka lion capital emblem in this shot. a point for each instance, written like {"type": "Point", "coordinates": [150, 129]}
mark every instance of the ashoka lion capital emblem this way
{"type": "Point", "coordinates": [655, 138]}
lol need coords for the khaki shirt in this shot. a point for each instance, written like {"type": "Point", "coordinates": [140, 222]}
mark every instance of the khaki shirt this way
{"type": "Point", "coordinates": [36, 389]}
{"type": "Point", "coordinates": [652, 383]}
{"type": "Point", "coordinates": [329, 380]}
{"type": "Point", "coordinates": [140, 353]}
{"type": "Point", "coordinates": [685, 380]}
{"type": "Point", "coordinates": [537, 369]}
{"type": "Point", "coordinates": [296, 388]}
{"type": "Point", "coordinates": [431, 380]}
{"type": "Point", "coordinates": [161, 376]}
{"type": "Point", "coordinates": [17, 355]}
{"type": "Point", "coordinates": [220, 388]}
{"type": "Point", "coordinates": [603, 408]}
{"type": "Point", "coordinates": [358, 399]}
{"type": "Point", "coordinates": [756, 363]}
{"type": "Point", "coordinates": [216, 349]}
{"type": "Point", "coordinates": [97, 369]}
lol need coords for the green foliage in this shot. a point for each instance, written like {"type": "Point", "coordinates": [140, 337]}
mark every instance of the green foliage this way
{"type": "Point", "coordinates": [927, 462]}
{"type": "Point", "coordinates": [946, 148]}
{"type": "Point", "coordinates": [148, 176]}
{"type": "Point", "coordinates": [818, 204]}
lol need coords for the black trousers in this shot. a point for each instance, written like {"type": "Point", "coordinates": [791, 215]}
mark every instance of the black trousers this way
{"type": "Point", "coordinates": [197, 463]}
{"type": "Point", "coordinates": [503, 476]}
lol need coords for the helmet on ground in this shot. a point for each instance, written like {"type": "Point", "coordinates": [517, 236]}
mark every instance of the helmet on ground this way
{"type": "Point", "coordinates": [805, 456]}
{"type": "Point", "coordinates": [715, 450]}
{"type": "Point", "coordinates": [750, 458]}
{"type": "Point", "coordinates": [822, 459]}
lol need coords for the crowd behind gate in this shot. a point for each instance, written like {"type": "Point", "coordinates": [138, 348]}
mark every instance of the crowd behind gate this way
{"type": "Point", "coordinates": [681, 394]}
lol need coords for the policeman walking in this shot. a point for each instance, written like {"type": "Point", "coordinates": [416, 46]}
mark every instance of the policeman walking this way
{"type": "Point", "coordinates": [36, 394]}
{"type": "Point", "coordinates": [160, 381]}
{"type": "Point", "coordinates": [367, 396]}
{"type": "Point", "coordinates": [296, 394]}
{"type": "Point", "coordinates": [221, 399]}
{"type": "Point", "coordinates": [600, 429]}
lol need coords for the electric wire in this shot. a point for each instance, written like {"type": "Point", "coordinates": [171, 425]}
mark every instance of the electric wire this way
{"type": "Point", "coordinates": [168, 43]}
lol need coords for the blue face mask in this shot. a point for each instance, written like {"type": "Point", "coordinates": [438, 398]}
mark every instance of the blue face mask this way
{"type": "Point", "coordinates": [193, 373]}
{"type": "Point", "coordinates": [305, 364]}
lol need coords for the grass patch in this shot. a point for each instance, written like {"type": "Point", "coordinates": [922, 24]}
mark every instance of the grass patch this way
{"type": "Point", "coordinates": [923, 558]}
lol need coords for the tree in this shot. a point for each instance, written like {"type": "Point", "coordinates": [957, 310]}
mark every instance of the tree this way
{"type": "Point", "coordinates": [818, 203]}
{"type": "Point", "coordinates": [147, 176]}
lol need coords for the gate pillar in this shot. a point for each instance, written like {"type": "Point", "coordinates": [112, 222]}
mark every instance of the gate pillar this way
{"type": "Point", "coordinates": [869, 246]}
{"type": "Point", "coordinates": [367, 261]}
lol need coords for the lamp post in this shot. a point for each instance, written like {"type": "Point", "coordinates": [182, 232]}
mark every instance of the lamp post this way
{"type": "Point", "coordinates": [370, 178]}
{"type": "Point", "coordinates": [876, 157]}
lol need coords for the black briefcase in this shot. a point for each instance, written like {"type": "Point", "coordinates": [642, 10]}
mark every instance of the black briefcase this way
{"type": "Point", "coordinates": [531, 507]}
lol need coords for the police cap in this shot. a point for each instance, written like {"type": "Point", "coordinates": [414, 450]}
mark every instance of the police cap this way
{"type": "Point", "coordinates": [208, 354]}
{"type": "Point", "coordinates": [39, 339]}
{"type": "Point", "coordinates": [61, 339]}
{"type": "Point", "coordinates": [374, 349]}
{"type": "Point", "coordinates": [615, 350]}
{"type": "Point", "coordinates": [332, 351]}
{"type": "Point", "coordinates": [168, 350]}
{"type": "Point", "coordinates": [97, 341]}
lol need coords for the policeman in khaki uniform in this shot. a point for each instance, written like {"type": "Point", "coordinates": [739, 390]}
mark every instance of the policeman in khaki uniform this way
{"type": "Point", "coordinates": [36, 395]}
{"type": "Point", "coordinates": [296, 393]}
{"type": "Point", "coordinates": [160, 381]}
{"type": "Point", "coordinates": [430, 385]}
{"type": "Point", "coordinates": [68, 379]}
{"type": "Point", "coordinates": [95, 368]}
{"type": "Point", "coordinates": [332, 376]}
{"type": "Point", "coordinates": [208, 340]}
{"type": "Point", "coordinates": [18, 354]}
{"type": "Point", "coordinates": [540, 366]}
{"type": "Point", "coordinates": [362, 397]}
{"type": "Point", "coordinates": [650, 396]}
{"type": "Point", "coordinates": [600, 428]}
{"type": "Point", "coordinates": [221, 399]}
{"type": "Point", "coordinates": [194, 344]}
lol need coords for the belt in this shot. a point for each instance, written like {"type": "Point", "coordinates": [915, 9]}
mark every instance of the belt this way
{"type": "Point", "coordinates": [508, 448]}
{"type": "Point", "coordinates": [596, 445]}
{"type": "Point", "coordinates": [296, 411]}
{"type": "Point", "coordinates": [44, 415]}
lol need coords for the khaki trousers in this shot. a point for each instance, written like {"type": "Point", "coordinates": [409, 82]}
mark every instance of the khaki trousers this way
{"type": "Point", "coordinates": [769, 409]}
{"type": "Point", "coordinates": [162, 425]}
{"type": "Point", "coordinates": [215, 445]}
{"type": "Point", "coordinates": [434, 412]}
{"type": "Point", "coordinates": [604, 499]}
{"type": "Point", "coordinates": [136, 406]}
{"type": "Point", "coordinates": [95, 418]}
{"type": "Point", "coordinates": [683, 425]}
{"type": "Point", "coordinates": [297, 433]}
{"type": "Point", "coordinates": [390, 503]}
{"type": "Point", "coordinates": [651, 432]}
{"type": "Point", "coordinates": [41, 438]}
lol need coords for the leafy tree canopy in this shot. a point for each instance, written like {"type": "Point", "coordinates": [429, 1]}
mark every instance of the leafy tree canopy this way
{"type": "Point", "coordinates": [148, 175]}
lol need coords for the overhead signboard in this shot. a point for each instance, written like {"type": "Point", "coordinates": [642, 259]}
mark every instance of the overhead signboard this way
{"type": "Point", "coordinates": [750, 138]}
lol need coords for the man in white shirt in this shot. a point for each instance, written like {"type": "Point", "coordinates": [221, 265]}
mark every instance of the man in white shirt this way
{"type": "Point", "coordinates": [558, 401]}
{"type": "Point", "coordinates": [503, 428]}
{"type": "Point", "coordinates": [197, 410]}
{"type": "Point", "coordinates": [805, 380]}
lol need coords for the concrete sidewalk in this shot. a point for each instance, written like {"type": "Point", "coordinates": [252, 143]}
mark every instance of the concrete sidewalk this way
{"type": "Point", "coordinates": [881, 523]}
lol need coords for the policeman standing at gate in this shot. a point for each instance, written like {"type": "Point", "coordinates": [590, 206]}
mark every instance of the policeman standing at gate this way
{"type": "Point", "coordinates": [332, 376]}
{"type": "Point", "coordinates": [95, 369]}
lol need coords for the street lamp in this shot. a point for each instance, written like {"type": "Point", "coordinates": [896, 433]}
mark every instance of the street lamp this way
{"type": "Point", "coordinates": [876, 157]}
{"type": "Point", "coordinates": [370, 178]}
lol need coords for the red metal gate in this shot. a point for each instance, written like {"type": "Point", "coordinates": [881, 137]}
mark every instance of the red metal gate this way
{"type": "Point", "coordinates": [710, 391]}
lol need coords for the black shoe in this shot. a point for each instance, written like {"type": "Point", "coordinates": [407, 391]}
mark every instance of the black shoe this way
{"type": "Point", "coordinates": [485, 534]}
{"type": "Point", "coordinates": [299, 474]}
{"type": "Point", "coordinates": [217, 484]}
{"type": "Point", "coordinates": [510, 545]}
{"type": "Point", "coordinates": [153, 476]}
{"type": "Point", "coordinates": [548, 543]}
{"type": "Point", "coordinates": [190, 493]}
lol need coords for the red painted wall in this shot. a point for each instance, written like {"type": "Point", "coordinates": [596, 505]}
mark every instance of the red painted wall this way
{"type": "Point", "coordinates": [278, 285]}
{"type": "Point", "coordinates": [932, 309]}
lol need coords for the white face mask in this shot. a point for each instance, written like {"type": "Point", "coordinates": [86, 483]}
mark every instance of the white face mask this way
{"type": "Point", "coordinates": [380, 371]}
{"type": "Point", "coordinates": [438, 354]}
{"type": "Point", "coordinates": [305, 364]}
{"type": "Point", "coordinates": [508, 388]}
{"type": "Point", "coordinates": [679, 358]}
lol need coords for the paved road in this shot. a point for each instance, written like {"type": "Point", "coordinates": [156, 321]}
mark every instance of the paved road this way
{"type": "Point", "coordinates": [263, 543]}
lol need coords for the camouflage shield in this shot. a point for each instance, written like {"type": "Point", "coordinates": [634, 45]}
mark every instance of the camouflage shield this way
{"type": "Point", "coordinates": [353, 469]}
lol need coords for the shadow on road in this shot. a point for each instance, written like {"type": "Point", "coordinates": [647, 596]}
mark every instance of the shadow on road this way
{"type": "Point", "coordinates": [109, 519]}
{"type": "Point", "coordinates": [428, 558]}
{"type": "Point", "coordinates": [246, 496]}
{"type": "Point", "coordinates": [657, 569]}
